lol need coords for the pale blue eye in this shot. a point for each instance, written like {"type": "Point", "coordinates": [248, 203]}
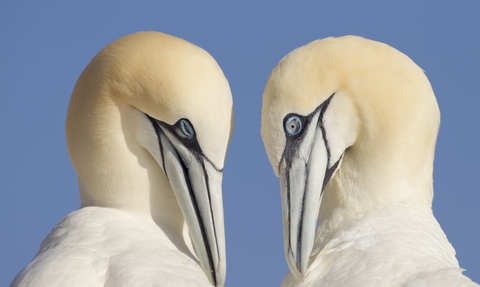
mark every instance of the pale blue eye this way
{"type": "Point", "coordinates": [293, 125]}
{"type": "Point", "coordinates": [186, 131]}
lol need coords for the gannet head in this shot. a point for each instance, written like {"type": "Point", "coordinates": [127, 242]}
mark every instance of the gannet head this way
{"type": "Point", "coordinates": [148, 126]}
{"type": "Point", "coordinates": [353, 121]}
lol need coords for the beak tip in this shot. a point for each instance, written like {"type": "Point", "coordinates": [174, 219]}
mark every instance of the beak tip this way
{"type": "Point", "coordinates": [299, 275]}
{"type": "Point", "coordinates": [297, 272]}
{"type": "Point", "coordinates": [297, 269]}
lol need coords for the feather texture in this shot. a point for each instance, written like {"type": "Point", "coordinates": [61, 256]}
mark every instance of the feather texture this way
{"type": "Point", "coordinates": [96, 246]}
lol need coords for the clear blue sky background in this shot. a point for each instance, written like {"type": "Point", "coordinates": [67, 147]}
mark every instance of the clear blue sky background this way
{"type": "Point", "coordinates": [45, 45]}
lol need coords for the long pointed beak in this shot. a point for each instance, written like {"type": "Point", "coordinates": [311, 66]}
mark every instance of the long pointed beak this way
{"type": "Point", "coordinates": [197, 185]}
{"type": "Point", "coordinates": [303, 174]}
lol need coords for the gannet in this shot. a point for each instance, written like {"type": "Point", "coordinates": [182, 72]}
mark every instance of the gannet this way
{"type": "Point", "coordinates": [349, 126]}
{"type": "Point", "coordinates": [148, 126]}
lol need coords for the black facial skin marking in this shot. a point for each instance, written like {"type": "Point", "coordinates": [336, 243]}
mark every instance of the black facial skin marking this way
{"type": "Point", "coordinates": [291, 150]}
{"type": "Point", "coordinates": [193, 146]}
{"type": "Point", "coordinates": [158, 131]}
{"type": "Point", "coordinates": [198, 214]}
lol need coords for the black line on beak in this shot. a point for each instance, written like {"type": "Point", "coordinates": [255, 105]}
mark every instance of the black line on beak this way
{"type": "Point", "coordinates": [158, 131]}
{"type": "Point", "coordinates": [199, 215]}
{"type": "Point", "coordinates": [198, 155]}
{"type": "Point", "coordinates": [300, 226]}
{"type": "Point", "coordinates": [291, 149]}
{"type": "Point", "coordinates": [207, 182]}
{"type": "Point", "coordinates": [330, 171]}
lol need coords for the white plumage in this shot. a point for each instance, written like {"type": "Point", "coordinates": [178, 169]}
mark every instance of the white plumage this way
{"type": "Point", "coordinates": [349, 126]}
{"type": "Point", "coordinates": [148, 126]}
{"type": "Point", "coordinates": [109, 247]}
{"type": "Point", "coordinates": [386, 249]}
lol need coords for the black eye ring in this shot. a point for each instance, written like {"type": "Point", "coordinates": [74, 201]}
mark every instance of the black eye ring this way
{"type": "Point", "coordinates": [185, 129]}
{"type": "Point", "coordinates": [293, 125]}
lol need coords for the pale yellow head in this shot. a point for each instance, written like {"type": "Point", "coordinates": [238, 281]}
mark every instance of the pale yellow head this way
{"type": "Point", "coordinates": [163, 76]}
{"type": "Point", "coordinates": [371, 140]}
{"type": "Point", "coordinates": [383, 105]}
{"type": "Point", "coordinates": [126, 143]}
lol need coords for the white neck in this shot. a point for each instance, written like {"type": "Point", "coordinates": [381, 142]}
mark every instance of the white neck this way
{"type": "Point", "coordinates": [113, 169]}
{"type": "Point", "coordinates": [389, 166]}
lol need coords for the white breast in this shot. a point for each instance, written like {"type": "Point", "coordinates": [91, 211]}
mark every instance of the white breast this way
{"type": "Point", "coordinates": [97, 246]}
{"type": "Point", "coordinates": [385, 248]}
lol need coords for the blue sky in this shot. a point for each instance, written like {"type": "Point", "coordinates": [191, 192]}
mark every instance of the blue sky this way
{"type": "Point", "coordinates": [45, 45]}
